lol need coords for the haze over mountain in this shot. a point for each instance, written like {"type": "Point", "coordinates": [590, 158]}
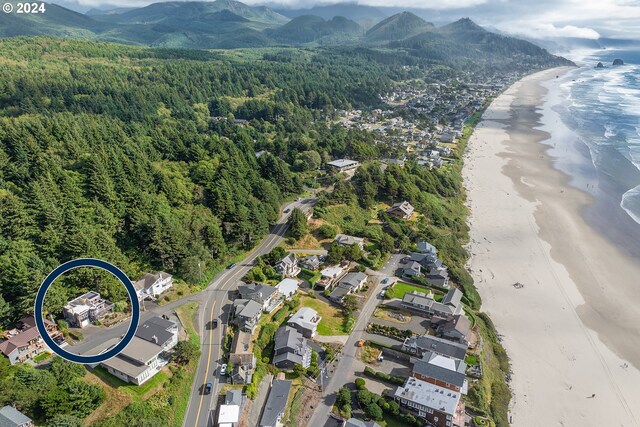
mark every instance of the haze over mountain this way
{"type": "Point", "coordinates": [224, 24]}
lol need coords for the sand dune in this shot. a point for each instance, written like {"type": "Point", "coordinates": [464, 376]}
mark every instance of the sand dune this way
{"type": "Point", "coordinates": [573, 330]}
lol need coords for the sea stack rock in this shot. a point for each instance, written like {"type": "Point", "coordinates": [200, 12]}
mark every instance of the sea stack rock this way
{"type": "Point", "coordinates": [600, 65]}
{"type": "Point", "coordinates": [618, 61]}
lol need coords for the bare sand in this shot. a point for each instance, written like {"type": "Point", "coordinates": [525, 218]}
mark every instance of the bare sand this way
{"type": "Point", "coordinates": [573, 330]}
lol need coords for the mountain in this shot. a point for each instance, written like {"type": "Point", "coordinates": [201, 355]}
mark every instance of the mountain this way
{"type": "Point", "coordinates": [57, 21]}
{"type": "Point", "coordinates": [398, 27]}
{"type": "Point", "coordinates": [365, 16]}
{"type": "Point", "coordinates": [464, 43]}
{"type": "Point", "coordinates": [308, 28]}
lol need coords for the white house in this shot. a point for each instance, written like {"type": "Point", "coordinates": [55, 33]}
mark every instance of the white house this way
{"type": "Point", "coordinates": [288, 287]}
{"type": "Point", "coordinates": [152, 285]}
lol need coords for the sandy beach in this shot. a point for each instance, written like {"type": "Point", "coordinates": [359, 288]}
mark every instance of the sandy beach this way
{"type": "Point", "coordinates": [573, 330]}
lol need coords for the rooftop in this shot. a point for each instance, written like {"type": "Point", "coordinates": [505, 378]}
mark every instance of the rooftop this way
{"type": "Point", "coordinates": [11, 417]}
{"type": "Point", "coordinates": [341, 163]}
{"type": "Point", "coordinates": [306, 317]}
{"type": "Point", "coordinates": [229, 414]}
{"type": "Point", "coordinates": [429, 395]}
{"type": "Point", "coordinates": [441, 368]}
{"type": "Point", "coordinates": [276, 402]}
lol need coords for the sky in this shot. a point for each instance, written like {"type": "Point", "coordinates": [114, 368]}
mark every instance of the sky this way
{"type": "Point", "coordinates": [589, 19]}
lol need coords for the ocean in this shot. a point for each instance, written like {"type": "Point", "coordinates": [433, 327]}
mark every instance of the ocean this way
{"type": "Point", "coordinates": [593, 117]}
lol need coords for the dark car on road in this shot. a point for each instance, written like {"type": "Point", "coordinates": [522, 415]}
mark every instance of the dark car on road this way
{"type": "Point", "coordinates": [213, 324]}
{"type": "Point", "coordinates": [230, 266]}
{"type": "Point", "coordinates": [207, 388]}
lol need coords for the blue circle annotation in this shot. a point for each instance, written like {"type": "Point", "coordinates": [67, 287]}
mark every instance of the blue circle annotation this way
{"type": "Point", "coordinates": [87, 262]}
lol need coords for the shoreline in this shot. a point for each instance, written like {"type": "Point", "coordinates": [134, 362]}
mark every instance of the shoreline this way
{"type": "Point", "coordinates": [570, 332]}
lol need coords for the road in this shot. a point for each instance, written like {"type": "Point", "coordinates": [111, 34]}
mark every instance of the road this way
{"type": "Point", "coordinates": [344, 371]}
{"type": "Point", "coordinates": [215, 304]}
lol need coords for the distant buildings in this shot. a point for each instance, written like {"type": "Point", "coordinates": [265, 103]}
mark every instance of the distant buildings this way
{"type": "Point", "coordinates": [290, 349]}
{"type": "Point", "coordinates": [152, 285]}
{"type": "Point", "coordinates": [402, 210]}
{"type": "Point", "coordinates": [11, 417]}
{"type": "Point", "coordinates": [421, 344]}
{"type": "Point", "coordinates": [426, 304]}
{"type": "Point", "coordinates": [24, 342]}
{"type": "Point", "coordinates": [305, 321]}
{"type": "Point", "coordinates": [145, 354]}
{"type": "Point", "coordinates": [343, 165]}
{"type": "Point", "coordinates": [85, 309]}
{"type": "Point", "coordinates": [276, 403]}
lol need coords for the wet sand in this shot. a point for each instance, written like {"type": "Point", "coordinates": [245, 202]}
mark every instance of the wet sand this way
{"type": "Point", "coordinates": [573, 330]}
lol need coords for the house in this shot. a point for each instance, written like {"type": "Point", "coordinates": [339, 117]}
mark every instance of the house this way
{"type": "Point", "coordinates": [456, 328]}
{"type": "Point", "coordinates": [273, 410]}
{"type": "Point", "coordinates": [159, 331]}
{"type": "Point", "coordinates": [146, 354]}
{"type": "Point", "coordinates": [448, 137]}
{"type": "Point", "coordinates": [290, 349]}
{"type": "Point", "coordinates": [439, 406]}
{"type": "Point", "coordinates": [265, 295]}
{"type": "Point", "coordinates": [426, 247]}
{"type": "Point", "coordinates": [288, 288]}
{"type": "Point", "coordinates": [397, 162]}
{"type": "Point", "coordinates": [349, 284]}
{"type": "Point", "coordinates": [436, 272]}
{"type": "Point", "coordinates": [346, 240]}
{"type": "Point", "coordinates": [354, 422]}
{"type": "Point", "coordinates": [305, 321]}
{"type": "Point", "coordinates": [11, 417]}
{"type": "Point", "coordinates": [411, 269]}
{"type": "Point", "coordinates": [426, 304]}
{"type": "Point", "coordinates": [152, 285]}
{"type": "Point", "coordinates": [242, 358]}
{"type": "Point", "coordinates": [402, 210]}
{"type": "Point", "coordinates": [421, 344]}
{"type": "Point", "coordinates": [328, 276]}
{"type": "Point", "coordinates": [85, 309]}
{"type": "Point", "coordinates": [311, 262]}
{"type": "Point", "coordinates": [343, 165]}
{"type": "Point", "coordinates": [247, 314]}
{"type": "Point", "coordinates": [24, 342]}
{"type": "Point", "coordinates": [229, 412]}
{"type": "Point", "coordinates": [288, 266]}
{"type": "Point", "coordinates": [440, 370]}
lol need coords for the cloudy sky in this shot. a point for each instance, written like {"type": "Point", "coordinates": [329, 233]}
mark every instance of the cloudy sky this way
{"type": "Point", "coordinates": [534, 18]}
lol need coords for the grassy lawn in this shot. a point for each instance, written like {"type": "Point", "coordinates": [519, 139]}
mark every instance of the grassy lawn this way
{"type": "Point", "coordinates": [294, 409]}
{"type": "Point", "coordinates": [42, 357]}
{"type": "Point", "coordinates": [349, 218]}
{"type": "Point", "coordinates": [471, 359]}
{"type": "Point", "coordinates": [401, 288]}
{"type": "Point", "coordinates": [331, 323]}
{"type": "Point", "coordinates": [310, 276]}
{"type": "Point", "coordinates": [386, 314]}
{"type": "Point", "coordinates": [138, 392]}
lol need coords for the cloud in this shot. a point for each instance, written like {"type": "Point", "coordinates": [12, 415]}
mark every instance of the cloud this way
{"type": "Point", "coordinates": [548, 30]}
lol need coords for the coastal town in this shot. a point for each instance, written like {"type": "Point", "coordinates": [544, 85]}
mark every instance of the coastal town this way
{"type": "Point", "coordinates": [385, 327]}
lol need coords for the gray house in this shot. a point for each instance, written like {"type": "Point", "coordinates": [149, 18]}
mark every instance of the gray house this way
{"type": "Point", "coordinates": [273, 410]}
{"type": "Point", "coordinates": [247, 314]}
{"type": "Point", "coordinates": [421, 344]}
{"type": "Point", "coordinates": [265, 295]}
{"type": "Point", "coordinates": [305, 321]}
{"type": "Point", "coordinates": [411, 269]}
{"type": "Point", "coordinates": [426, 304]}
{"type": "Point", "coordinates": [288, 266]}
{"type": "Point", "coordinates": [11, 417]}
{"type": "Point", "coordinates": [311, 262]}
{"type": "Point", "coordinates": [290, 349]}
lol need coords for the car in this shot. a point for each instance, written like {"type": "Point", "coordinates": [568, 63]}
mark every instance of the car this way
{"type": "Point", "coordinates": [287, 210]}
{"type": "Point", "coordinates": [385, 280]}
{"type": "Point", "coordinates": [213, 324]}
{"type": "Point", "coordinates": [233, 264]}
{"type": "Point", "coordinates": [223, 369]}
{"type": "Point", "coordinates": [382, 294]}
{"type": "Point", "coordinates": [207, 388]}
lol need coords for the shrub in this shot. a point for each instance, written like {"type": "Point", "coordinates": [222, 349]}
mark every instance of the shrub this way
{"type": "Point", "coordinates": [361, 384]}
{"type": "Point", "coordinates": [327, 231]}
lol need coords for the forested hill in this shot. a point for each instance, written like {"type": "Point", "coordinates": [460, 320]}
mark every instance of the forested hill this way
{"type": "Point", "coordinates": [109, 151]}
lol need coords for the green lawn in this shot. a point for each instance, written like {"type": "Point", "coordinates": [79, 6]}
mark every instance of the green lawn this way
{"type": "Point", "coordinates": [331, 323]}
{"type": "Point", "coordinates": [136, 391]}
{"type": "Point", "coordinates": [42, 357]}
{"type": "Point", "coordinates": [401, 288]}
{"type": "Point", "coordinates": [471, 359]}
{"type": "Point", "coordinates": [310, 276]}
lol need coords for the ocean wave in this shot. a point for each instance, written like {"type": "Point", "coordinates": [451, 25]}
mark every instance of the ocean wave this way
{"type": "Point", "coordinates": [631, 203]}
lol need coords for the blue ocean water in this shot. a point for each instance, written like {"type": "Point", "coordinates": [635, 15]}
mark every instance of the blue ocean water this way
{"type": "Point", "coordinates": [602, 107]}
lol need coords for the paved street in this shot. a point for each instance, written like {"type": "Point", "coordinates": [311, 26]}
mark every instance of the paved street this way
{"type": "Point", "coordinates": [344, 372]}
{"type": "Point", "coordinates": [216, 306]}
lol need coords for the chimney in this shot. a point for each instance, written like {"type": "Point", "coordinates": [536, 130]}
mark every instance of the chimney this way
{"type": "Point", "coordinates": [154, 339]}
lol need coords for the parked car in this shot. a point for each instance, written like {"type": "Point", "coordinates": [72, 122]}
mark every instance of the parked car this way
{"type": "Point", "coordinates": [207, 388]}
{"type": "Point", "coordinates": [385, 280]}
{"type": "Point", "coordinates": [223, 369]}
{"type": "Point", "coordinates": [382, 294]}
